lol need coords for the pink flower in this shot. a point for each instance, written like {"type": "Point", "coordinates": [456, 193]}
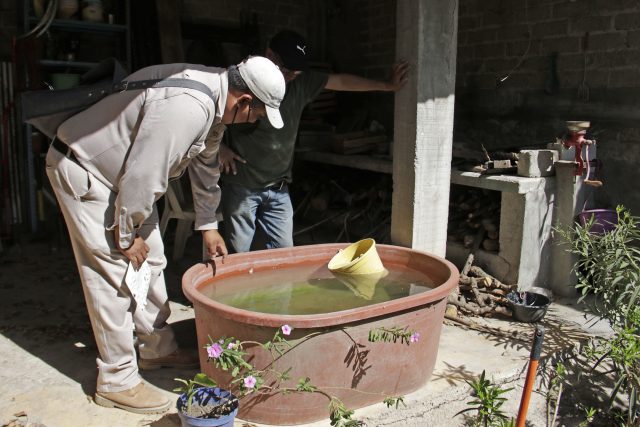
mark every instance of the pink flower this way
{"type": "Point", "coordinates": [214, 350]}
{"type": "Point", "coordinates": [231, 345]}
{"type": "Point", "coordinates": [415, 337]}
{"type": "Point", "coordinates": [250, 381]}
{"type": "Point", "coordinates": [286, 329]}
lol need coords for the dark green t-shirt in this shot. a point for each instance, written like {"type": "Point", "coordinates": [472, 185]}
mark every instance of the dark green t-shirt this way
{"type": "Point", "coordinates": [269, 151]}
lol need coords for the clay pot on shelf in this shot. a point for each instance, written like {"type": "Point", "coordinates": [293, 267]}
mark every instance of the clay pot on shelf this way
{"type": "Point", "coordinates": [92, 11]}
{"type": "Point", "coordinates": [67, 8]}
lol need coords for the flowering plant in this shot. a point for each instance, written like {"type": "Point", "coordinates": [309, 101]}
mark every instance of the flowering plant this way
{"type": "Point", "coordinates": [229, 355]}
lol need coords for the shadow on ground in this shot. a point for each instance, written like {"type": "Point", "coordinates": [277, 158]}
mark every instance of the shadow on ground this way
{"type": "Point", "coordinates": [42, 310]}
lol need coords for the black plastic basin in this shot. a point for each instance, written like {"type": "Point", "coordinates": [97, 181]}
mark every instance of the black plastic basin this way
{"type": "Point", "coordinates": [528, 307]}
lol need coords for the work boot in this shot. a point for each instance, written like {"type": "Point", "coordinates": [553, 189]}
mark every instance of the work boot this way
{"type": "Point", "coordinates": [141, 399]}
{"type": "Point", "coordinates": [181, 358]}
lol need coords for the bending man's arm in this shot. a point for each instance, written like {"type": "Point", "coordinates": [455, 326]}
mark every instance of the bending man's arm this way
{"type": "Point", "coordinates": [204, 173]}
{"type": "Point", "coordinates": [352, 83]}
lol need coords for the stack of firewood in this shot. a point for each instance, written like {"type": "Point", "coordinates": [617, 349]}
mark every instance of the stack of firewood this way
{"type": "Point", "coordinates": [474, 218]}
{"type": "Point", "coordinates": [478, 294]}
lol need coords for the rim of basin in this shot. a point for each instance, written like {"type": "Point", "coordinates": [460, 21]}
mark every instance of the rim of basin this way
{"type": "Point", "coordinates": [439, 269]}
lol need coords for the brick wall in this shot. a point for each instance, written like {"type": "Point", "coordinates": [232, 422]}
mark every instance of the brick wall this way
{"type": "Point", "coordinates": [271, 15]}
{"type": "Point", "coordinates": [351, 36]}
{"type": "Point", "coordinates": [361, 37]}
{"type": "Point", "coordinates": [516, 38]}
{"type": "Point", "coordinates": [509, 93]}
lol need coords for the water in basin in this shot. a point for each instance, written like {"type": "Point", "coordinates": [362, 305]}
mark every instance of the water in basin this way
{"type": "Point", "coordinates": [304, 290]}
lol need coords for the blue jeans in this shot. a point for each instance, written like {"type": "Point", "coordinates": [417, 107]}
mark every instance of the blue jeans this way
{"type": "Point", "coordinates": [244, 208]}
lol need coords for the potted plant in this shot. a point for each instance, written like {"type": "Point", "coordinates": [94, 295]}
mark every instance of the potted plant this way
{"type": "Point", "coordinates": [202, 401]}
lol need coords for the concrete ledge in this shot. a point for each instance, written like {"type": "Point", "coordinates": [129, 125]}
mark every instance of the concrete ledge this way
{"type": "Point", "coordinates": [505, 183]}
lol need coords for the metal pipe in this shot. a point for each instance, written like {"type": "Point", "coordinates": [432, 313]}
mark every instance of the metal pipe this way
{"type": "Point", "coordinates": [531, 375]}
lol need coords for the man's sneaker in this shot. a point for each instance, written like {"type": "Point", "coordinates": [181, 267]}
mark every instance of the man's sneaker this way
{"type": "Point", "coordinates": [181, 358]}
{"type": "Point", "coordinates": [141, 399]}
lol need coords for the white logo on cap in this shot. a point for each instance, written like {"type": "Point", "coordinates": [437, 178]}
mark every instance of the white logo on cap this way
{"type": "Point", "coordinates": [301, 49]}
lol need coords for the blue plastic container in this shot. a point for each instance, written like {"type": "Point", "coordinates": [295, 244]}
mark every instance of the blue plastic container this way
{"type": "Point", "coordinates": [204, 396]}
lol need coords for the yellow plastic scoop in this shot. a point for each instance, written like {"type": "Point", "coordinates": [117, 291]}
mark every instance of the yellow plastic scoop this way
{"type": "Point", "coordinates": [362, 285]}
{"type": "Point", "coordinates": [359, 268]}
{"type": "Point", "coordinates": [357, 258]}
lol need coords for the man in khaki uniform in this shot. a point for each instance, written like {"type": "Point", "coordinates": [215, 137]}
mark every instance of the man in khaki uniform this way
{"type": "Point", "coordinates": [108, 166]}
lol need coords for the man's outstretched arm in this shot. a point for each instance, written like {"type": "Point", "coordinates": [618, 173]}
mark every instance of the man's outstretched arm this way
{"type": "Point", "coordinates": [353, 83]}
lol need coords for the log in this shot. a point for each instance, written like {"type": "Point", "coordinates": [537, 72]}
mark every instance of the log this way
{"type": "Point", "coordinates": [468, 240]}
{"type": "Point", "coordinates": [467, 265]}
{"type": "Point", "coordinates": [491, 245]}
{"type": "Point", "coordinates": [495, 292]}
{"type": "Point", "coordinates": [473, 309]}
{"type": "Point", "coordinates": [493, 235]}
{"type": "Point", "coordinates": [476, 271]}
{"type": "Point", "coordinates": [489, 225]}
{"type": "Point", "coordinates": [476, 293]}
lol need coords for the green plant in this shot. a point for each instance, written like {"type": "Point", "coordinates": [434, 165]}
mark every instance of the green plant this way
{"type": "Point", "coordinates": [590, 414]}
{"type": "Point", "coordinates": [554, 394]}
{"type": "Point", "coordinates": [228, 354]}
{"type": "Point", "coordinates": [191, 387]}
{"type": "Point", "coordinates": [623, 351]}
{"type": "Point", "coordinates": [488, 401]}
{"type": "Point", "coordinates": [608, 267]}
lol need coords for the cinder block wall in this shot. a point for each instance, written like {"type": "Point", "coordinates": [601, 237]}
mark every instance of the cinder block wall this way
{"type": "Point", "coordinates": [361, 38]}
{"type": "Point", "coordinates": [595, 45]}
{"type": "Point", "coordinates": [272, 15]}
{"type": "Point", "coordinates": [351, 36]}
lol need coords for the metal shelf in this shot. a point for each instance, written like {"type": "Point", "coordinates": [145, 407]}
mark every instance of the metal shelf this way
{"type": "Point", "coordinates": [77, 25]}
{"type": "Point", "coordinates": [67, 64]}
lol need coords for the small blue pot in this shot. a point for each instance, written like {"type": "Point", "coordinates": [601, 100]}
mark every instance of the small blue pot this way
{"type": "Point", "coordinates": [202, 397]}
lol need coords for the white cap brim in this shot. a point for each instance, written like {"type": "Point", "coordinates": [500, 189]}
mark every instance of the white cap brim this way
{"type": "Point", "coordinates": [273, 114]}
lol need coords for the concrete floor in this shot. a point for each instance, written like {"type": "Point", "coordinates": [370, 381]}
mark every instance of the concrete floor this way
{"type": "Point", "coordinates": [47, 368]}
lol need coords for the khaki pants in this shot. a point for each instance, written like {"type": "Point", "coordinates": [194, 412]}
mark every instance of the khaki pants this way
{"type": "Point", "coordinates": [88, 209]}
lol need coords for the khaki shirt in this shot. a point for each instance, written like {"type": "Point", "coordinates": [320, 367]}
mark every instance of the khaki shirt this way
{"type": "Point", "coordinates": [135, 141]}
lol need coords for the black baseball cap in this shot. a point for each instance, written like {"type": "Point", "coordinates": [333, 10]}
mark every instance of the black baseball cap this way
{"type": "Point", "coordinates": [292, 49]}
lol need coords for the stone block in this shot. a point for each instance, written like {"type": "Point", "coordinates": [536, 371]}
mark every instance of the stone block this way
{"type": "Point", "coordinates": [537, 163]}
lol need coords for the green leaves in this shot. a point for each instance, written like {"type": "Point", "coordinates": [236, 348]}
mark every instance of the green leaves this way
{"type": "Point", "coordinates": [340, 416]}
{"type": "Point", "coordinates": [304, 385]}
{"type": "Point", "coordinates": [394, 401]}
{"type": "Point", "coordinates": [190, 387]}
{"type": "Point", "coordinates": [608, 265]}
{"type": "Point", "coordinates": [488, 401]}
{"type": "Point", "coordinates": [394, 334]}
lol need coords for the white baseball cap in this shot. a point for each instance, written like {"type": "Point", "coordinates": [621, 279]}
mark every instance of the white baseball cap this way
{"type": "Point", "coordinates": [265, 80]}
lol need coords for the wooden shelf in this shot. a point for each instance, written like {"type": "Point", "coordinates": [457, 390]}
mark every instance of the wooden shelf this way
{"type": "Point", "coordinates": [357, 161]}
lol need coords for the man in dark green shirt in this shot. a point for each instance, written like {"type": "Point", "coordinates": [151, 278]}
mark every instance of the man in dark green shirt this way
{"type": "Point", "coordinates": [255, 190]}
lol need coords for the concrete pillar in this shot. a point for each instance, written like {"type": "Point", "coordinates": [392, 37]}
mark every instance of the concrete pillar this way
{"type": "Point", "coordinates": [426, 36]}
{"type": "Point", "coordinates": [571, 198]}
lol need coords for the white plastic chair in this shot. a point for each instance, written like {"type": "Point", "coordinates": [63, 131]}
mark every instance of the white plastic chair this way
{"type": "Point", "coordinates": [175, 207]}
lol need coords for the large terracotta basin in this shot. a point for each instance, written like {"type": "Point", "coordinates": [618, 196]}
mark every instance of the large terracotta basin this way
{"type": "Point", "coordinates": [340, 359]}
